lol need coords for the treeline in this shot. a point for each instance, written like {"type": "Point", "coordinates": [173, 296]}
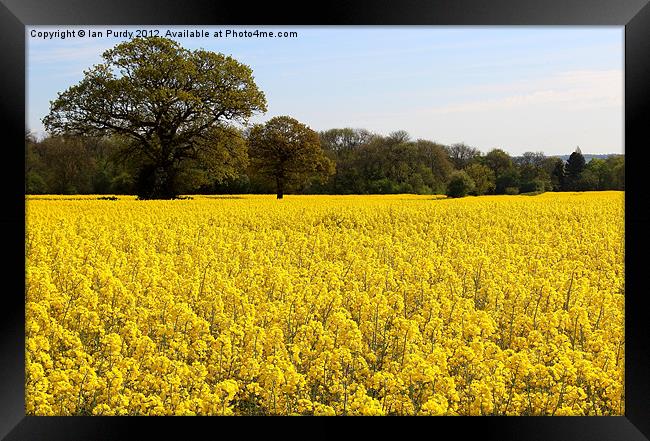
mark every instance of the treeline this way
{"type": "Point", "coordinates": [365, 163]}
{"type": "Point", "coordinates": [76, 165]}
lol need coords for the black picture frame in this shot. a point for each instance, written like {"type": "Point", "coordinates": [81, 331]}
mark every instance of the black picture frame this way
{"type": "Point", "coordinates": [634, 15]}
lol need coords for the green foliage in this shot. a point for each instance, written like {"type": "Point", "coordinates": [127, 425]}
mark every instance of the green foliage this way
{"type": "Point", "coordinates": [574, 168]}
{"type": "Point", "coordinates": [462, 155]}
{"type": "Point", "coordinates": [71, 164]}
{"type": "Point", "coordinates": [460, 185]}
{"type": "Point", "coordinates": [35, 184]}
{"type": "Point", "coordinates": [604, 174]}
{"type": "Point", "coordinates": [499, 161]}
{"type": "Point", "coordinates": [394, 164]}
{"type": "Point", "coordinates": [617, 165]}
{"type": "Point", "coordinates": [483, 178]}
{"type": "Point", "coordinates": [508, 179]}
{"type": "Point", "coordinates": [121, 183]}
{"type": "Point", "coordinates": [588, 180]}
{"type": "Point", "coordinates": [343, 142]}
{"type": "Point", "coordinates": [288, 152]}
{"type": "Point", "coordinates": [535, 185]}
{"type": "Point", "coordinates": [558, 174]}
{"type": "Point", "coordinates": [382, 186]}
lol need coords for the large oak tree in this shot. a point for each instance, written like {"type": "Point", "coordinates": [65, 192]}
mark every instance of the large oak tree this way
{"type": "Point", "coordinates": [176, 108]}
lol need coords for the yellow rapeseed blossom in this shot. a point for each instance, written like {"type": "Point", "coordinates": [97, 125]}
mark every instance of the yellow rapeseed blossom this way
{"type": "Point", "coordinates": [326, 305]}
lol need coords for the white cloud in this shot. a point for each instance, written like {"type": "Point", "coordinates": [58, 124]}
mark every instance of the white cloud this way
{"type": "Point", "coordinates": [551, 114]}
{"type": "Point", "coordinates": [574, 90]}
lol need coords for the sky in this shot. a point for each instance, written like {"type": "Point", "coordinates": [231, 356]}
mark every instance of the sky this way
{"type": "Point", "coordinates": [517, 88]}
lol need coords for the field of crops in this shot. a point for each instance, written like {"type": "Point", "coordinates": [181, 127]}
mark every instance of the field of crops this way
{"type": "Point", "coordinates": [326, 305]}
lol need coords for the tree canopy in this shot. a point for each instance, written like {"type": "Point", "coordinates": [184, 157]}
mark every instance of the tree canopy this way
{"type": "Point", "coordinates": [460, 184]}
{"type": "Point", "coordinates": [461, 155]}
{"type": "Point", "coordinates": [287, 151]}
{"type": "Point", "coordinates": [574, 167]}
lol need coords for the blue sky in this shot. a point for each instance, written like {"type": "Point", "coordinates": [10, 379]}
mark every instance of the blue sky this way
{"type": "Point", "coordinates": [521, 89]}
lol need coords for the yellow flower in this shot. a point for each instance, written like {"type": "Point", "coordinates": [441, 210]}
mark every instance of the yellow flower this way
{"type": "Point", "coordinates": [326, 305]}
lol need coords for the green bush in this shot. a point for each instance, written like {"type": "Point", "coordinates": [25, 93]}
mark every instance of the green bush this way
{"type": "Point", "coordinates": [460, 185]}
{"type": "Point", "coordinates": [535, 185]}
{"type": "Point", "coordinates": [509, 178]}
{"type": "Point", "coordinates": [382, 186]}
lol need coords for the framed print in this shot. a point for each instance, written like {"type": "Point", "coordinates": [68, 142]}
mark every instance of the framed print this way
{"type": "Point", "coordinates": [427, 209]}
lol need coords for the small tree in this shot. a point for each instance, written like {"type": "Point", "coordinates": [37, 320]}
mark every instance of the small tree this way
{"type": "Point", "coordinates": [288, 152]}
{"type": "Point", "coordinates": [483, 178]}
{"type": "Point", "coordinates": [574, 168]}
{"type": "Point", "coordinates": [461, 155]}
{"type": "Point", "coordinates": [616, 163]}
{"type": "Point", "coordinates": [499, 161]}
{"type": "Point", "coordinates": [434, 158]}
{"type": "Point", "coordinates": [460, 185]}
{"type": "Point", "coordinates": [398, 137]}
{"type": "Point", "coordinates": [598, 167]}
{"type": "Point", "coordinates": [507, 181]}
{"type": "Point", "coordinates": [533, 186]}
{"type": "Point", "coordinates": [588, 181]}
{"type": "Point", "coordinates": [558, 175]}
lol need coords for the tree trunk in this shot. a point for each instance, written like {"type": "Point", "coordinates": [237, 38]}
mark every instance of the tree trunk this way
{"type": "Point", "coordinates": [279, 183]}
{"type": "Point", "coordinates": [164, 183]}
{"type": "Point", "coordinates": [157, 182]}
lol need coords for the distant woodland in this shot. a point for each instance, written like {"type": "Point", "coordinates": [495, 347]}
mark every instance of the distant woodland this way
{"type": "Point", "coordinates": [361, 162]}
